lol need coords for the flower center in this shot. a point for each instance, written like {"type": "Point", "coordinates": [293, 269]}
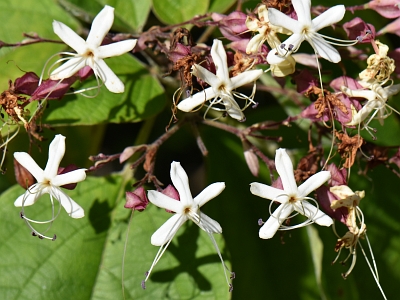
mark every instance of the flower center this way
{"type": "Point", "coordinates": [89, 54]}
{"type": "Point", "coordinates": [187, 210]}
{"type": "Point", "coordinates": [292, 199]}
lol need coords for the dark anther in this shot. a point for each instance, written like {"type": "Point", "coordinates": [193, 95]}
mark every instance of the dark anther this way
{"type": "Point", "coordinates": [230, 288]}
{"type": "Point", "coordinates": [359, 39]}
{"type": "Point", "coordinates": [276, 53]}
{"type": "Point", "coordinates": [368, 31]}
{"type": "Point", "coordinates": [187, 93]}
{"type": "Point", "coordinates": [21, 214]}
{"type": "Point", "coordinates": [54, 238]}
{"type": "Point", "coordinates": [233, 275]}
{"type": "Point", "coordinates": [143, 284]}
{"type": "Point", "coordinates": [282, 46]}
{"type": "Point", "coordinates": [260, 222]}
{"type": "Point", "coordinates": [291, 47]}
{"type": "Point", "coordinates": [33, 233]}
{"type": "Point", "coordinates": [255, 105]}
{"type": "Point", "coordinates": [146, 273]}
{"type": "Point", "coordinates": [41, 237]}
{"type": "Point", "coordinates": [224, 114]}
{"type": "Point", "coordinates": [243, 120]}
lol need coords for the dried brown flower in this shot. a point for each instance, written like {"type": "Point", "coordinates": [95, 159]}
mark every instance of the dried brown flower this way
{"type": "Point", "coordinates": [348, 147]}
{"type": "Point", "coordinates": [325, 100]}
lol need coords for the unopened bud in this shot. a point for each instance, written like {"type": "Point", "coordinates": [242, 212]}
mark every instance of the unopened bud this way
{"type": "Point", "coordinates": [251, 158]}
{"type": "Point", "coordinates": [137, 200]}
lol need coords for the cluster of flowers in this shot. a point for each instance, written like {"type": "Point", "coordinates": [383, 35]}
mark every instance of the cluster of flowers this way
{"type": "Point", "coordinates": [345, 106]}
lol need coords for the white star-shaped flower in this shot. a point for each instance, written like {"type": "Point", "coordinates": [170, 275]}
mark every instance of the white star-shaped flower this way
{"type": "Point", "coordinates": [222, 85]}
{"type": "Point", "coordinates": [377, 97]}
{"type": "Point", "coordinates": [292, 198]}
{"type": "Point", "coordinates": [48, 182]}
{"type": "Point", "coordinates": [266, 31]}
{"type": "Point", "coordinates": [90, 52]}
{"type": "Point", "coordinates": [305, 29]}
{"type": "Point", "coordinates": [186, 208]}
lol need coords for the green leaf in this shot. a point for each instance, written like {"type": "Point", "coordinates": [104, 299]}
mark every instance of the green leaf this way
{"type": "Point", "coordinates": [66, 268]}
{"type": "Point", "coordinates": [85, 261]}
{"type": "Point", "coordinates": [317, 249]}
{"type": "Point", "coordinates": [27, 16]}
{"type": "Point", "coordinates": [220, 6]}
{"type": "Point", "coordinates": [143, 97]}
{"type": "Point", "coordinates": [177, 11]}
{"type": "Point", "coordinates": [129, 16]}
{"type": "Point", "coordinates": [189, 269]}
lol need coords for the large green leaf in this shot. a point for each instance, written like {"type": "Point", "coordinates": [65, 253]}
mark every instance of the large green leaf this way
{"type": "Point", "coordinates": [27, 16]}
{"type": "Point", "coordinates": [143, 97]}
{"type": "Point", "coordinates": [177, 11]}
{"type": "Point", "coordinates": [85, 261]}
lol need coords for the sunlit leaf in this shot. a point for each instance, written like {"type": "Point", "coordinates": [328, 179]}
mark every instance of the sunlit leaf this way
{"type": "Point", "coordinates": [177, 11]}
{"type": "Point", "coordinates": [143, 97]}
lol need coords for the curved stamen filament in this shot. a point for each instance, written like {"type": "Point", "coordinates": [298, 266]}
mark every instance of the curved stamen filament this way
{"type": "Point", "coordinates": [28, 221]}
{"type": "Point", "coordinates": [161, 251]}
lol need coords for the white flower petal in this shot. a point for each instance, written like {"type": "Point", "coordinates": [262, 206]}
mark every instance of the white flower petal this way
{"type": "Point", "coordinates": [284, 166]}
{"type": "Point", "coordinates": [180, 181]}
{"type": "Point", "coordinates": [255, 43]}
{"type": "Point", "coordinates": [73, 209]}
{"type": "Point", "coordinates": [111, 81]}
{"type": "Point", "coordinates": [167, 231]}
{"type": "Point", "coordinates": [303, 11]}
{"type": "Point", "coordinates": [273, 57]}
{"type": "Point", "coordinates": [278, 18]}
{"type": "Point", "coordinates": [69, 37]}
{"type": "Point", "coordinates": [273, 223]}
{"type": "Point", "coordinates": [56, 153]}
{"type": "Point", "coordinates": [367, 94]}
{"type": "Point", "coordinates": [31, 195]}
{"type": "Point", "coordinates": [392, 89]}
{"type": "Point", "coordinates": [208, 224]}
{"type": "Point", "coordinates": [232, 107]}
{"type": "Point", "coordinates": [101, 26]}
{"type": "Point", "coordinates": [310, 211]}
{"type": "Point", "coordinates": [245, 78]}
{"type": "Point", "coordinates": [196, 100]}
{"type": "Point", "coordinates": [115, 49]}
{"type": "Point", "coordinates": [268, 192]}
{"type": "Point", "coordinates": [164, 201]}
{"type": "Point", "coordinates": [329, 17]}
{"type": "Point", "coordinates": [68, 69]}
{"type": "Point", "coordinates": [325, 50]}
{"type": "Point", "coordinates": [314, 182]}
{"type": "Point", "coordinates": [206, 76]}
{"type": "Point", "coordinates": [28, 163]}
{"type": "Point", "coordinates": [361, 115]}
{"type": "Point", "coordinates": [218, 55]}
{"type": "Point", "coordinates": [70, 177]}
{"type": "Point", "coordinates": [293, 42]}
{"type": "Point", "coordinates": [210, 192]}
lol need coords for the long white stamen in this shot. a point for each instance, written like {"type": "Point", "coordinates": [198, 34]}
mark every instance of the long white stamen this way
{"type": "Point", "coordinates": [28, 221]}
{"type": "Point", "coordinates": [161, 252]}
